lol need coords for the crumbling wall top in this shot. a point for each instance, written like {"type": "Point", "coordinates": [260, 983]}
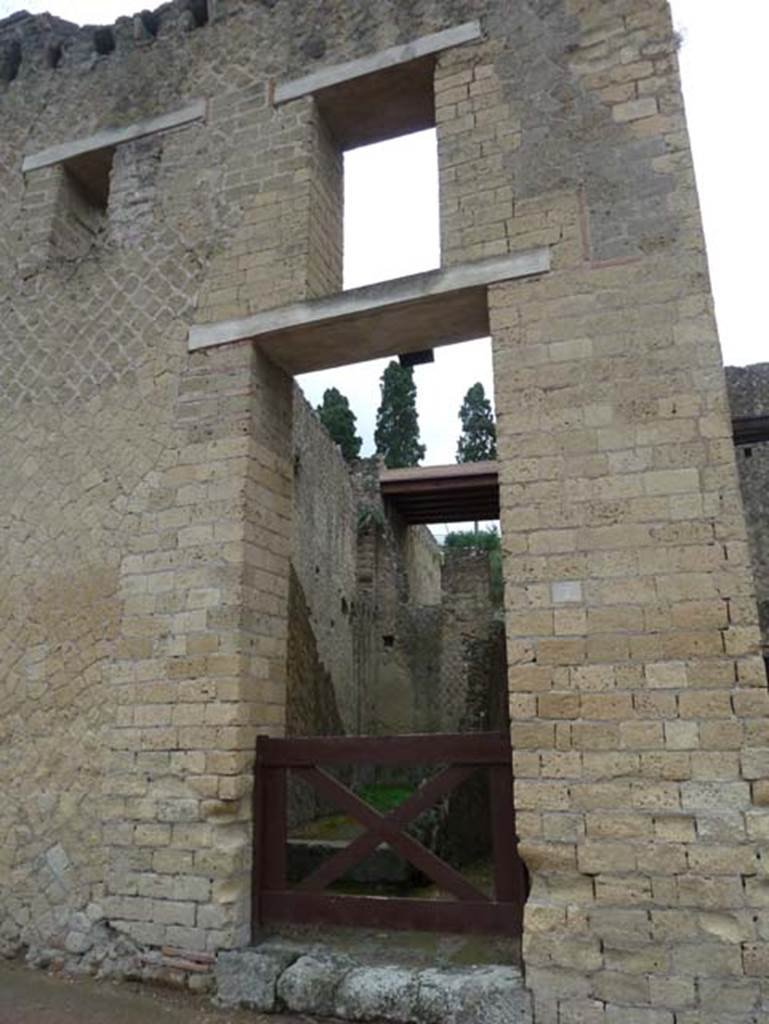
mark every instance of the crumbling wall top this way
{"type": "Point", "coordinates": [30, 43]}
{"type": "Point", "coordinates": [748, 389]}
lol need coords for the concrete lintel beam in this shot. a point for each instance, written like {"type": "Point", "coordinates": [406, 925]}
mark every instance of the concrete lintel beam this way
{"type": "Point", "coordinates": [404, 315]}
{"type": "Point", "coordinates": [339, 73]}
{"type": "Point", "coordinates": [109, 137]}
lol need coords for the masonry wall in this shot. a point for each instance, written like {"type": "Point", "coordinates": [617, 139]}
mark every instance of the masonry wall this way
{"type": "Point", "coordinates": [429, 636]}
{"type": "Point", "coordinates": [146, 511]}
{"type": "Point", "coordinates": [748, 388]}
{"type": "Point", "coordinates": [146, 500]}
{"type": "Point", "coordinates": [637, 694]}
{"type": "Point", "coordinates": [324, 562]}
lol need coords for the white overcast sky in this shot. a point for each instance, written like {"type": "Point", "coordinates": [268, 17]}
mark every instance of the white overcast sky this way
{"type": "Point", "coordinates": [391, 221]}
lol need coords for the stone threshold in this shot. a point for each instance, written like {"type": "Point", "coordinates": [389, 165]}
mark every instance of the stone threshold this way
{"type": "Point", "coordinates": [280, 976]}
{"type": "Point", "coordinates": [407, 314]}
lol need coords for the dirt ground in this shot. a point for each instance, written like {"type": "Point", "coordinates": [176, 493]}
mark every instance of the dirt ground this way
{"type": "Point", "coordinates": [32, 997]}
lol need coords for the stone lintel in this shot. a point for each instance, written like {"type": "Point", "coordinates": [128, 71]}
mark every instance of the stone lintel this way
{"type": "Point", "coordinates": [337, 74]}
{"type": "Point", "coordinates": [194, 111]}
{"type": "Point", "coordinates": [407, 314]}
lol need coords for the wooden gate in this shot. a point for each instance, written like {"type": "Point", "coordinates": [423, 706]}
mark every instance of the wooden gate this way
{"type": "Point", "coordinates": [459, 756]}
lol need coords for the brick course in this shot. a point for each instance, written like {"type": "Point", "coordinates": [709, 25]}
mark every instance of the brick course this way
{"type": "Point", "coordinates": [147, 492]}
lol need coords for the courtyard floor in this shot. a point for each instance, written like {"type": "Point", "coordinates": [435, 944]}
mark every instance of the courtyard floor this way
{"type": "Point", "coordinates": [32, 997]}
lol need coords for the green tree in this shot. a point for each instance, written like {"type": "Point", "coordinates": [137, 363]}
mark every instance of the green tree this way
{"type": "Point", "coordinates": [478, 440]}
{"type": "Point", "coordinates": [339, 420]}
{"type": "Point", "coordinates": [397, 423]}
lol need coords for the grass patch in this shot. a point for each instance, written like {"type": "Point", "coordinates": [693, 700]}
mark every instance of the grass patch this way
{"type": "Point", "coordinates": [384, 798]}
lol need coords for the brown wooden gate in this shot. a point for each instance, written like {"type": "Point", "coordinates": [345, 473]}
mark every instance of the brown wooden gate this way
{"type": "Point", "coordinates": [470, 910]}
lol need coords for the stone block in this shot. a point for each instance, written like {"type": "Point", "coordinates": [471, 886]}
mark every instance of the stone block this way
{"type": "Point", "coordinates": [309, 985]}
{"type": "Point", "coordinates": [249, 978]}
{"type": "Point", "coordinates": [387, 993]}
{"type": "Point", "coordinates": [481, 995]}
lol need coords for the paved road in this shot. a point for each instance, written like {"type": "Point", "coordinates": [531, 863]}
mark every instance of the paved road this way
{"type": "Point", "coordinates": [32, 997]}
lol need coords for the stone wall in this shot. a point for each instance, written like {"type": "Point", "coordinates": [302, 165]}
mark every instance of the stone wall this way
{"type": "Point", "coordinates": [146, 499]}
{"type": "Point", "coordinates": [324, 560]}
{"type": "Point", "coordinates": [638, 697]}
{"type": "Point", "coordinates": [749, 396]}
{"type": "Point", "coordinates": [428, 632]}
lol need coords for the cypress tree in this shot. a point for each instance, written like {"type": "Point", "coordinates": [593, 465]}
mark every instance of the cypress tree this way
{"type": "Point", "coordinates": [478, 440]}
{"type": "Point", "coordinates": [397, 423]}
{"type": "Point", "coordinates": [339, 420]}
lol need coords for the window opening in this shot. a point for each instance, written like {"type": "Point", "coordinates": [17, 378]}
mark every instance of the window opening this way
{"type": "Point", "coordinates": [55, 54]}
{"type": "Point", "coordinates": [151, 22]}
{"type": "Point", "coordinates": [391, 209]}
{"type": "Point", "coordinates": [104, 41]}
{"type": "Point", "coordinates": [89, 177]}
{"type": "Point", "coordinates": [199, 10]}
{"type": "Point", "coordinates": [10, 62]}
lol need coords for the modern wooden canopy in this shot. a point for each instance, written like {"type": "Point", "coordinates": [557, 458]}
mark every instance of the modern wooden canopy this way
{"type": "Point", "coordinates": [469, 491]}
{"type": "Point", "coordinates": [750, 429]}
{"type": "Point", "coordinates": [461, 493]}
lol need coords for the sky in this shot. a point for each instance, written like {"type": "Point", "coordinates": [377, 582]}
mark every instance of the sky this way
{"type": "Point", "coordinates": [391, 214]}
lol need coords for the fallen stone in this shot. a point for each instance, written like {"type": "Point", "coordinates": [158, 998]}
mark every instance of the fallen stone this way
{"type": "Point", "coordinates": [200, 983]}
{"type": "Point", "coordinates": [310, 984]}
{"type": "Point", "coordinates": [379, 993]}
{"type": "Point", "coordinates": [473, 995]}
{"type": "Point", "coordinates": [78, 942]}
{"type": "Point", "coordinates": [280, 976]}
{"type": "Point", "coordinates": [248, 977]}
{"type": "Point", "coordinates": [10, 948]}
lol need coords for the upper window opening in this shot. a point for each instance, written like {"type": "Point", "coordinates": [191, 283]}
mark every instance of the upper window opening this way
{"type": "Point", "coordinates": [199, 9]}
{"type": "Point", "coordinates": [382, 95]}
{"type": "Point", "coordinates": [104, 41]}
{"type": "Point", "coordinates": [391, 209]}
{"type": "Point", "coordinates": [90, 175]}
{"type": "Point", "coordinates": [381, 106]}
{"type": "Point", "coordinates": [10, 61]}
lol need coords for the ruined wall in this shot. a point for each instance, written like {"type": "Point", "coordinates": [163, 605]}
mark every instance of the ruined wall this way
{"type": "Point", "coordinates": [323, 557]}
{"type": "Point", "coordinates": [748, 388]}
{"type": "Point", "coordinates": [146, 498]}
{"type": "Point", "coordinates": [428, 632]}
{"type": "Point", "coordinates": [473, 674]}
{"type": "Point", "coordinates": [423, 566]}
{"type": "Point", "coordinates": [399, 593]}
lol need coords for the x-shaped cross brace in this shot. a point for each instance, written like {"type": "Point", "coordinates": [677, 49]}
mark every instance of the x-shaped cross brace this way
{"type": "Point", "coordinates": [389, 828]}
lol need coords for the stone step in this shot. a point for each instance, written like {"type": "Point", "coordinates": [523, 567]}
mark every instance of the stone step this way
{"type": "Point", "coordinates": [279, 976]}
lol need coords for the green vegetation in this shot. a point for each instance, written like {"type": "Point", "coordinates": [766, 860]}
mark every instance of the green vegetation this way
{"type": "Point", "coordinates": [397, 423]}
{"type": "Point", "coordinates": [384, 798]}
{"type": "Point", "coordinates": [478, 440]}
{"type": "Point", "coordinates": [339, 420]}
{"type": "Point", "coordinates": [371, 517]}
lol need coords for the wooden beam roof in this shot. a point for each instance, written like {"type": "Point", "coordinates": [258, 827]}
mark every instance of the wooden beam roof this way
{"type": "Point", "coordinates": [750, 429]}
{"type": "Point", "coordinates": [470, 491]}
{"type": "Point", "coordinates": [443, 494]}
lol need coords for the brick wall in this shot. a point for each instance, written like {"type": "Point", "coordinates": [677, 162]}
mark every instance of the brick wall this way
{"type": "Point", "coordinates": [146, 498]}
{"type": "Point", "coordinates": [324, 558]}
